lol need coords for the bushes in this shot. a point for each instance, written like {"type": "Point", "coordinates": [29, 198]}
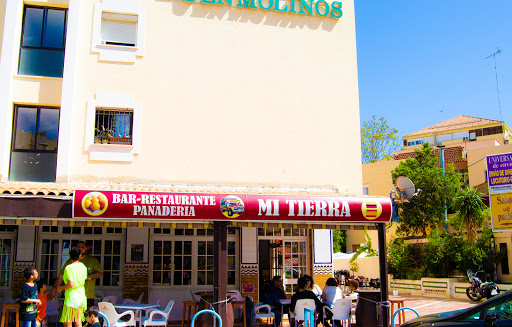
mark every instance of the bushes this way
{"type": "Point", "coordinates": [443, 253]}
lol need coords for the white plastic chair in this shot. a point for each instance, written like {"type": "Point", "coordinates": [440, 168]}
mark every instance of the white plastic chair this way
{"type": "Point", "coordinates": [299, 308]}
{"type": "Point", "coordinates": [161, 316]}
{"type": "Point", "coordinates": [114, 319]}
{"type": "Point", "coordinates": [263, 311]}
{"type": "Point", "coordinates": [340, 311]}
{"type": "Point", "coordinates": [52, 309]}
{"type": "Point", "coordinates": [110, 299]}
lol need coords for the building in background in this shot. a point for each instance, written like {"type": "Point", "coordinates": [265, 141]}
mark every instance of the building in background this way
{"type": "Point", "coordinates": [466, 141]}
{"type": "Point", "coordinates": [204, 97]}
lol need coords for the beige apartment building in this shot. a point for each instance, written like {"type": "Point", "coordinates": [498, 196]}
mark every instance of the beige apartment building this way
{"type": "Point", "coordinates": [467, 141]}
{"type": "Point", "coordinates": [198, 102]}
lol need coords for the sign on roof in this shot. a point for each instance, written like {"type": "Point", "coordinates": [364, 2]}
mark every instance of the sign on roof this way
{"type": "Point", "coordinates": [499, 173]}
{"type": "Point", "coordinates": [236, 207]}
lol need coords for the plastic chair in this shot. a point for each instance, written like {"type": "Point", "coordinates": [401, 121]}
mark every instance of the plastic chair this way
{"type": "Point", "coordinates": [299, 308]}
{"type": "Point", "coordinates": [52, 309]}
{"type": "Point", "coordinates": [263, 311]}
{"type": "Point", "coordinates": [140, 297]}
{"type": "Point", "coordinates": [340, 311]}
{"type": "Point", "coordinates": [110, 299]}
{"type": "Point", "coordinates": [161, 316]}
{"type": "Point", "coordinates": [238, 302]}
{"type": "Point", "coordinates": [114, 319]}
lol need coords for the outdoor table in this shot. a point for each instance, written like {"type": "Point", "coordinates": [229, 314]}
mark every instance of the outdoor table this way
{"type": "Point", "coordinates": [283, 303]}
{"type": "Point", "coordinates": [136, 307]}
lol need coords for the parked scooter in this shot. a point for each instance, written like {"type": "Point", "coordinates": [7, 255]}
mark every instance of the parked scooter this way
{"type": "Point", "coordinates": [478, 289]}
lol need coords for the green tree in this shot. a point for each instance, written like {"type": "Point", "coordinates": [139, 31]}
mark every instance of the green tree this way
{"type": "Point", "coordinates": [339, 240]}
{"type": "Point", "coordinates": [400, 258]}
{"type": "Point", "coordinates": [471, 212]}
{"type": "Point", "coordinates": [378, 140]}
{"type": "Point", "coordinates": [426, 210]}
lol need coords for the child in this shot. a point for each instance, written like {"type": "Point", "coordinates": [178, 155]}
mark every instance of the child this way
{"type": "Point", "coordinates": [91, 316]}
{"type": "Point", "coordinates": [28, 298]}
{"type": "Point", "coordinates": [41, 309]}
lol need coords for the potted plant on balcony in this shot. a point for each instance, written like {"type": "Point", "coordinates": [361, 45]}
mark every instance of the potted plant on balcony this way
{"type": "Point", "coordinates": [103, 135]}
{"type": "Point", "coordinates": [121, 139]}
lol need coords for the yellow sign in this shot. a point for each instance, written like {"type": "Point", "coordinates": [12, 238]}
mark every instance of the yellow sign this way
{"type": "Point", "coordinates": [501, 211]}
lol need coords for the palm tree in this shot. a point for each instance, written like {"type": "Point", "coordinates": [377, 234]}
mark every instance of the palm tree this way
{"type": "Point", "coordinates": [470, 211]}
{"type": "Point", "coordinates": [366, 248]}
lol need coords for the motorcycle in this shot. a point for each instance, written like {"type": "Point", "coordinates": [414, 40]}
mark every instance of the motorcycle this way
{"type": "Point", "coordinates": [479, 289]}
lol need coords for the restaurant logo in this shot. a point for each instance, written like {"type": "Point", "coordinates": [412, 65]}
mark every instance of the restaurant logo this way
{"type": "Point", "coordinates": [371, 209]}
{"type": "Point", "coordinates": [94, 203]}
{"type": "Point", "coordinates": [231, 206]}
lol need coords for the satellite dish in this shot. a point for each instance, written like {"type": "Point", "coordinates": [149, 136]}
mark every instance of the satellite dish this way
{"type": "Point", "coordinates": [405, 187]}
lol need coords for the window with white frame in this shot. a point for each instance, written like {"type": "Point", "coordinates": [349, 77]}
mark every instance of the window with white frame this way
{"type": "Point", "coordinates": [118, 30]}
{"type": "Point", "coordinates": [105, 245]}
{"type": "Point", "coordinates": [173, 262]}
{"type": "Point", "coordinates": [6, 246]}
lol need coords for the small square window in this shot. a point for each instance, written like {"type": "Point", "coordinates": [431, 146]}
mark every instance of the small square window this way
{"type": "Point", "coordinates": [113, 126]}
{"type": "Point", "coordinates": [119, 29]}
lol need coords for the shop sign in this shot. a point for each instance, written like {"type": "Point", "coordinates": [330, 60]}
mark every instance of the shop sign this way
{"type": "Point", "coordinates": [321, 8]}
{"type": "Point", "coordinates": [499, 172]}
{"type": "Point", "coordinates": [501, 212]}
{"type": "Point", "coordinates": [128, 205]}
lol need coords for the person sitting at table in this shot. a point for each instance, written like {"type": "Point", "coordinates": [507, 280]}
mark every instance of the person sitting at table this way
{"type": "Point", "coordinates": [330, 294]}
{"type": "Point", "coordinates": [310, 285]}
{"type": "Point", "coordinates": [353, 285]}
{"type": "Point", "coordinates": [303, 293]}
{"type": "Point", "coordinates": [273, 294]}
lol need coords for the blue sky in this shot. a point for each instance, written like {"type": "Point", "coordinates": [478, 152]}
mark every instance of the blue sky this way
{"type": "Point", "coordinates": [422, 62]}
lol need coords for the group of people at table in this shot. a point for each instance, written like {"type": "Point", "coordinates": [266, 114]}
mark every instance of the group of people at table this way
{"type": "Point", "coordinates": [306, 289]}
{"type": "Point", "coordinates": [76, 279]}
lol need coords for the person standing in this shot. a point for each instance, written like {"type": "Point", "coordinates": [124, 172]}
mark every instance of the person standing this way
{"type": "Point", "coordinates": [94, 271]}
{"type": "Point", "coordinates": [75, 301]}
{"type": "Point", "coordinates": [28, 298]}
{"type": "Point", "coordinates": [41, 309]}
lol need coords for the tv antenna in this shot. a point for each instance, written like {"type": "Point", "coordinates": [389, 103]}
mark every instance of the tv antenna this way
{"type": "Point", "coordinates": [493, 55]}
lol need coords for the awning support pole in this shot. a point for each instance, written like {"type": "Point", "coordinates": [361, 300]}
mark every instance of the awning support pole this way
{"type": "Point", "coordinates": [383, 264]}
{"type": "Point", "coordinates": [220, 271]}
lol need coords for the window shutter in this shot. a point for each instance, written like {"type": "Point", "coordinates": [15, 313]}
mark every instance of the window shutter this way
{"type": "Point", "coordinates": [119, 29]}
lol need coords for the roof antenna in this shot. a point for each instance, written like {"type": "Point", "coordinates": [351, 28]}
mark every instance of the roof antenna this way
{"type": "Point", "coordinates": [493, 55]}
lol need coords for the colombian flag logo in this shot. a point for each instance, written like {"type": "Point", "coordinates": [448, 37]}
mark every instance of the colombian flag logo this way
{"type": "Point", "coordinates": [371, 209]}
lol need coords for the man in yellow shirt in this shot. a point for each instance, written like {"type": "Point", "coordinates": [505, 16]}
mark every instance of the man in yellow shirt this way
{"type": "Point", "coordinates": [94, 271]}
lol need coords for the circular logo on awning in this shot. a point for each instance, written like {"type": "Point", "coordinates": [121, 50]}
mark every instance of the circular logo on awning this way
{"type": "Point", "coordinates": [371, 209]}
{"type": "Point", "coordinates": [232, 206]}
{"type": "Point", "coordinates": [94, 203]}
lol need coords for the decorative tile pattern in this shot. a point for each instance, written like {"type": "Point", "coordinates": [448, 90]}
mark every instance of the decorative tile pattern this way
{"type": "Point", "coordinates": [20, 266]}
{"type": "Point", "coordinates": [322, 269]}
{"type": "Point", "coordinates": [139, 269]}
{"type": "Point", "coordinates": [249, 269]}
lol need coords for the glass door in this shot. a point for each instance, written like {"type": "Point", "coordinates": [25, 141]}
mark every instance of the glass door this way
{"type": "Point", "coordinates": [295, 264]}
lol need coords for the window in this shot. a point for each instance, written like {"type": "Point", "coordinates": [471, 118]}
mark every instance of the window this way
{"type": "Point", "coordinates": [55, 251]}
{"type": "Point", "coordinates": [113, 126]}
{"type": "Point", "coordinates": [43, 42]}
{"type": "Point", "coordinates": [188, 258]}
{"type": "Point", "coordinates": [366, 190]}
{"type": "Point", "coordinates": [119, 29]}
{"type": "Point", "coordinates": [5, 261]}
{"type": "Point", "coordinates": [34, 144]}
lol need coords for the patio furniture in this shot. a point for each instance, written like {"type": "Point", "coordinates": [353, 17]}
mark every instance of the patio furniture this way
{"type": "Point", "coordinates": [52, 309]}
{"type": "Point", "coordinates": [190, 308]}
{"type": "Point", "coordinates": [161, 316]}
{"type": "Point", "coordinates": [299, 308]}
{"type": "Point", "coordinates": [6, 310]}
{"type": "Point", "coordinates": [400, 304]}
{"type": "Point", "coordinates": [137, 307]}
{"type": "Point", "coordinates": [340, 311]}
{"type": "Point", "coordinates": [238, 301]}
{"type": "Point", "coordinates": [113, 318]}
{"type": "Point", "coordinates": [263, 311]}
{"type": "Point", "coordinates": [110, 299]}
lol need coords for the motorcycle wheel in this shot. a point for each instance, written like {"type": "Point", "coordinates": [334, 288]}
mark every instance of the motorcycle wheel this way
{"type": "Point", "coordinates": [473, 294]}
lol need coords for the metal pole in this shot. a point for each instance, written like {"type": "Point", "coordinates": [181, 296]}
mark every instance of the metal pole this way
{"type": "Point", "coordinates": [220, 272]}
{"type": "Point", "coordinates": [383, 264]}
